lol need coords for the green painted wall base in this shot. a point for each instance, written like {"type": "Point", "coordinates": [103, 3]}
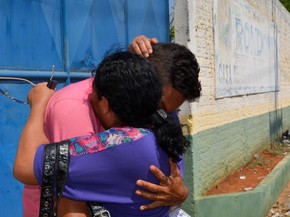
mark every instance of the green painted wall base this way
{"type": "Point", "coordinates": [254, 203]}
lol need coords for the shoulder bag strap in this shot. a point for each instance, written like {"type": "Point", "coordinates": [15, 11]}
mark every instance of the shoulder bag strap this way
{"type": "Point", "coordinates": [62, 166]}
{"type": "Point", "coordinates": [55, 169]}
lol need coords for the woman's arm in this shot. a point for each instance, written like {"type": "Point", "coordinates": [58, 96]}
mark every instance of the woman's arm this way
{"type": "Point", "coordinates": [72, 208]}
{"type": "Point", "coordinates": [32, 135]}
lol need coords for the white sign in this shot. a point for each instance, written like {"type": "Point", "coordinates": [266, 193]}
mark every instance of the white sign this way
{"type": "Point", "coordinates": [246, 53]}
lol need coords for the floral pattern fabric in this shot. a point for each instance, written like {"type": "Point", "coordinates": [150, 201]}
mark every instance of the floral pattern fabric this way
{"type": "Point", "coordinates": [104, 140]}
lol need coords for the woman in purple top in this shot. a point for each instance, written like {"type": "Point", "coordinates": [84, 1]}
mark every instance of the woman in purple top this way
{"type": "Point", "coordinates": [104, 167]}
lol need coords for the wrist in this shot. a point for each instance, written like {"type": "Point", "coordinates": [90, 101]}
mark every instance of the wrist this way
{"type": "Point", "coordinates": [37, 110]}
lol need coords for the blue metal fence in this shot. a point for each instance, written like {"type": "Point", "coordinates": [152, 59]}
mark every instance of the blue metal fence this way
{"type": "Point", "coordinates": [72, 35]}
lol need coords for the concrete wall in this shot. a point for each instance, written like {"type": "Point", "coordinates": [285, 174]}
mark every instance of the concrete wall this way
{"type": "Point", "coordinates": [226, 132]}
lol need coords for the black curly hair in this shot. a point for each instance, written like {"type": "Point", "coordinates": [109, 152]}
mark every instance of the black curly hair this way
{"type": "Point", "coordinates": [133, 89]}
{"type": "Point", "coordinates": [178, 67]}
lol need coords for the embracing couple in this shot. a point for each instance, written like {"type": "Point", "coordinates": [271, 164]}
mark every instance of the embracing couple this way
{"type": "Point", "coordinates": [127, 114]}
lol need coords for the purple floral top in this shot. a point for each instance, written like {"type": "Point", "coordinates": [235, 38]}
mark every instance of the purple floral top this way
{"type": "Point", "coordinates": [105, 167]}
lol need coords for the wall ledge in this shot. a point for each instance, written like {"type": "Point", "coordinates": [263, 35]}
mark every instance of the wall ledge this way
{"type": "Point", "coordinates": [254, 203]}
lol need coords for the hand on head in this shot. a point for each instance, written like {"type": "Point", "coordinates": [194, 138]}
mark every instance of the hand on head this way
{"type": "Point", "coordinates": [141, 45]}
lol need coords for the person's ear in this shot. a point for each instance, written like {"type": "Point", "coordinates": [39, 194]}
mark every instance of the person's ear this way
{"type": "Point", "coordinates": [166, 95]}
{"type": "Point", "coordinates": [108, 115]}
{"type": "Point", "coordinates": [104, 106]}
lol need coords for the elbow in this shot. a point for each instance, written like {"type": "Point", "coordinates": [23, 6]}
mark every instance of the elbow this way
{"type": "Point", "coordinates": [18, 173]}
{"type": "Point", "coordinates": [24, 174]}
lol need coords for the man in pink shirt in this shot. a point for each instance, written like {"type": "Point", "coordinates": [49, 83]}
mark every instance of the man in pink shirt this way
{"type": "Point", "coordinates": [69, 113]}
{"type": "Point", "coordinates": [68, 104]}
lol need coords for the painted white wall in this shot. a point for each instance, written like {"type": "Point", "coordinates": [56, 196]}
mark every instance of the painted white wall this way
{"type": "Point", "coordinates": [220, 102]}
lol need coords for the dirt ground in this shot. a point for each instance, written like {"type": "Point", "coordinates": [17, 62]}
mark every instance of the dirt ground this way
{"type": "Point", "coordinates": [250, 175]}
{"type": "Point", "coordinates": [281, 208]}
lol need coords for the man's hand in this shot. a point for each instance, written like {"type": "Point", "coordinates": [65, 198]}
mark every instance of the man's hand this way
{"type": "Point", "coordinates": [170, 192]}
{"type": "Point", "coordinates": [141, 45]}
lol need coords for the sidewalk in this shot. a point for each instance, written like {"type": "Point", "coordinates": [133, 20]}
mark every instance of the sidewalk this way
{"type": "Point", "coordinates": [281, 208]}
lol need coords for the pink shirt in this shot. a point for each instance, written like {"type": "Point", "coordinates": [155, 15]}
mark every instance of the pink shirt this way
{"type": "Point", "coordinates": [68, 114]}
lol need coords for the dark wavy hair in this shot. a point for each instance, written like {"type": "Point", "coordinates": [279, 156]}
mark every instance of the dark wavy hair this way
{"type": "Point", "coordinates": [178, 67]}
{"type": "Point", "coordinates": [133, 89]}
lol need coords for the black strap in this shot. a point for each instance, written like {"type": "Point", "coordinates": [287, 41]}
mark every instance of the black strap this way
{"type": "Point", "coordinates": [47, 191]}
{"type": "Point", "coordinates": [55, 169]}
{"type": "Point", "coordinates": [62, 167]}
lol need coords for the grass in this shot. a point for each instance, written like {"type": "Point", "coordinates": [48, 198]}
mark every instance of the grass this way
{"type": "Point", "coordinates": [261, 161]}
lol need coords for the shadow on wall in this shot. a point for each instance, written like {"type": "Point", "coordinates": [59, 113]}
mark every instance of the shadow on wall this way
{"type": "Point", "coordinates": [275, 124]}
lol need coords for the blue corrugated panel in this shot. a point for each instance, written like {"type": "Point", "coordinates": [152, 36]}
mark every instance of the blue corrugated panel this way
{"type": "Point", "coordinates": [72, 35]}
